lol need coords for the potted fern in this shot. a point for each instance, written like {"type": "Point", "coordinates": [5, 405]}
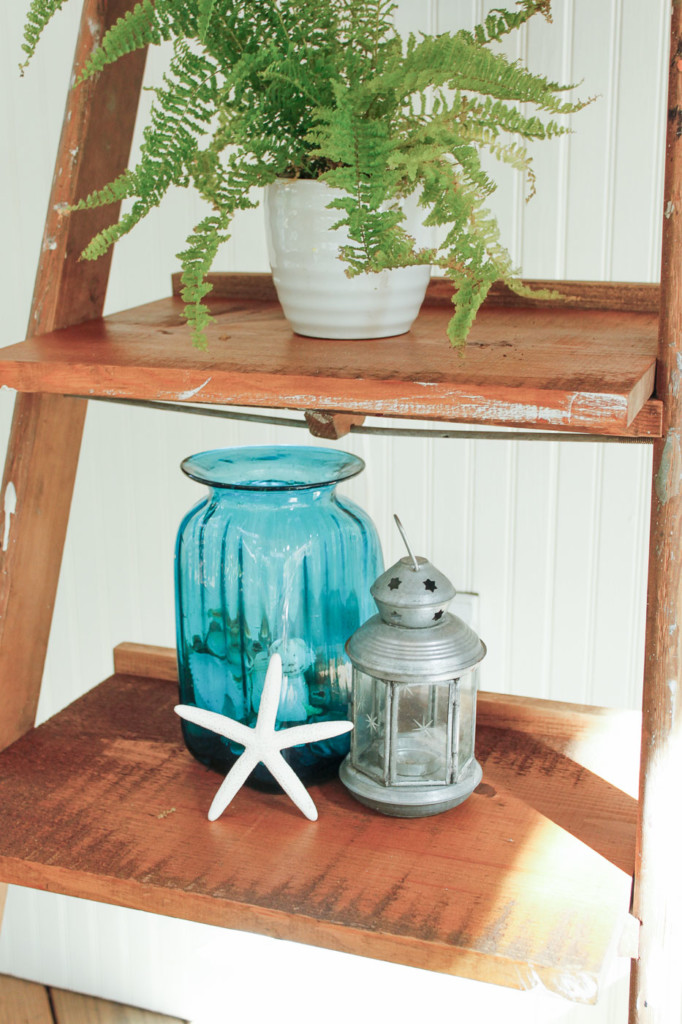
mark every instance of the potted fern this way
{"type": "Point", "coordinates": [326, 101]}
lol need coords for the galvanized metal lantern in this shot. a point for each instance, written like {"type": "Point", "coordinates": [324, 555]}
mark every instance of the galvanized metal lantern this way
{"type": "Point", "coordinates": [414, 696]}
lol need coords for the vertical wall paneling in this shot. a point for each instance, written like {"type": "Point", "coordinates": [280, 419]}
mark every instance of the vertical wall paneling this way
{"type": "Point", "coordinates": [553, 537]}
{"type": "Point", "coordinates": [656, 144]}
{"type": "Point", "coordinates": [592, 570]}
{"type": "Point", "coordinates": [638, 153]}
{"type": "Point", "coordinates": [613, 106]}
{"type": "Point", "coordinates": [639, 563]}
{"type": "Point", "coordinates": [549, 581]}
{"type": "Point", "coordinates": [510, 555]}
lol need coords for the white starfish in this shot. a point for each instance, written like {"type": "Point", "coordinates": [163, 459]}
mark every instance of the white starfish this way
{"type": "Point", "coordinates": [263, 743]}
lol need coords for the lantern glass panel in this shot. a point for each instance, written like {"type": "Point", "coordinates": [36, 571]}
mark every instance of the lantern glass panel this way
{"type": "Point", "coordinates": [467, 718]}
{"type": "Point", "coordinates": [369, 734]}
{"type": "Point", "coordinates": [421, 750]}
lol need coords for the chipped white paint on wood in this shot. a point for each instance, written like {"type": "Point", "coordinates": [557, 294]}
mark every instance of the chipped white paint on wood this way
{"type": "Point", "coordinates": [9, 509]}
{"type": "Point", "coordinates": [184, 396]}
{"type": "Point", "coordinates": [628, 945]}
{"type": "Point", "coordinates": [669, 475]}
{"type": "Point", "coordinates": [472, 407]}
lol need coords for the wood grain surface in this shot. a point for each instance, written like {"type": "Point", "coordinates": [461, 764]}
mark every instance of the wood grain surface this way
{"type": "Point", "coordinates": [146, 660]}
{"type": "Point", "coordinates": [527, 882]}
{"type": "Point", "coordinates": [73, 1008]}
{"type": "Point", "coordinates": [23, 1002]}
{"type": "Point", "coordinates": [93, 148]}
{"type": "Point", "coordinates": [581, 370]}
{"type": "Point", "coordinates": [39, 475]}
{"type": "Point", "coordinates": [624, 296]}
{"type": "Point", "coordinates": [26, 1002]}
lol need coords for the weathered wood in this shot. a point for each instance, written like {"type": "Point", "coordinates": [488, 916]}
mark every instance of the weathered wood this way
{"type": "Point", "coordinates": [251, 287]}
{"type": "Point", "coordinates": [331, 425]}
{"type": "Point", "coordinates": [46, 432]}
{"type": "Point", "coordinates": [23, 1002]}
{"type": "Point", "coordinates": [649, 420]}
{"type": "Point", "coordinates": [73, 1008]}
{"type": "Point", "coordinates": [525, 883]}
{"type": "Point", "coordinates": [577, 370]}
{"type": "Point", "coordinates": [146, 660]}
{"type": "Point", "coordinates": [94, 148]}
{"type": "Point", "coordinates": [656, 990]}
{"type": "Point", "coordinates": [36, 493]}
{"type": "Point", "coordinates": [570, 726]}
{"type": "Point", "coordinates": [624, 296]}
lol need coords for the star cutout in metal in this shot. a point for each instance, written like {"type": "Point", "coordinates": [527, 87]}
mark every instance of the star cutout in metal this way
{"type": "Point", "coordinates": [430, 585]}
{"type": "Point", "coordinates": [394, 584]}
{"type": "Point", "coordinates": [263, 743]}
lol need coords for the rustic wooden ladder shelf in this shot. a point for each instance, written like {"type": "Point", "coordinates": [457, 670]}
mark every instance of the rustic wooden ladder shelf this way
{"type": "Point", "coordinates": [529, 880]}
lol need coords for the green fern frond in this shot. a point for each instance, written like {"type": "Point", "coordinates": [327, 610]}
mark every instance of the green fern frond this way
{"type": "Point", "coordinates": [37, 17]}
{"type": "Point", "coordinates": [139, 27]}
{"type": "Point", "coordinates": [108, 236]}
{"type": "Point", "coordinates": [206, 8]}
{"type": "Point", "coordinates": [123, 187]}
{"type": "Point", "coordinates": [460, 64]}
{"type": "Point", "coordinates": [183, 109]}
{"type": "Point", "coordinates": [498, 116]}
{"type": "Point", "coordinates": [196, 261]}
{"type": "Point", "coordinates": [500, 22]}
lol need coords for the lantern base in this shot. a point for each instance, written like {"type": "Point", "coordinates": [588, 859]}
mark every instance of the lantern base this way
{"type": "Point", "coordinates": [409, 801]}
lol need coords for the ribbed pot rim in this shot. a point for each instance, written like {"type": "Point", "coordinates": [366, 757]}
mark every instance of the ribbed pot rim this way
{"type": "Point", "coordinates": [271, 467]}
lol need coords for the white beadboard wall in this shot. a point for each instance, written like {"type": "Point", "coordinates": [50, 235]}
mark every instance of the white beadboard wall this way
{"type": "Point", "coordinates": [552, 536]}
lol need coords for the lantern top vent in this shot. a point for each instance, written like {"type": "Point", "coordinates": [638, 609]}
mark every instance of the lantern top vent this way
{"type": "Point", "coordinates": [412, 593]}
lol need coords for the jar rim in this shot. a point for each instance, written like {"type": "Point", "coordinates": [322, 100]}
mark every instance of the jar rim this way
{"type": "Point", "coordinates": [271, 467]}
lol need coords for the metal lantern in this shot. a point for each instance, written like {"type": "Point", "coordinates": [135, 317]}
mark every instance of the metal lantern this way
{"type": "Point", "coordinates": [414, 696]}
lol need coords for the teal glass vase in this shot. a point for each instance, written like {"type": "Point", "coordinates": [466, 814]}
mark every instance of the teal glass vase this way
{"type": "Point", "coordinates": [272, 560]}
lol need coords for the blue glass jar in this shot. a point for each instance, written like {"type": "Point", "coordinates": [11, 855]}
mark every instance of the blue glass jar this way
{"type": "Point", "coordinates": [272, 560]}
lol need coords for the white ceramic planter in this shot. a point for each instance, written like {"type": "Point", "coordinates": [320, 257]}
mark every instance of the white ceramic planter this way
{"type": "Point", "coordinates": [318, 299]}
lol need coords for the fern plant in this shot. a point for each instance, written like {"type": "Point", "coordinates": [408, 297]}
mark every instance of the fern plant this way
{"type": "Point", "coordinates": [261, 89]}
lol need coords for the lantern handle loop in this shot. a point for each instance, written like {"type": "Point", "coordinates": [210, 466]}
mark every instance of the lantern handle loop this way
{"type": "Point", "coordinates": [415, 563]}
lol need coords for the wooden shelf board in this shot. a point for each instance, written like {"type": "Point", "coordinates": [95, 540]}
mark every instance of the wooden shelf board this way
{"type": "Point", "coordinates": [527, 882]}
{"type": "Point", "coordinates": [556, 367]}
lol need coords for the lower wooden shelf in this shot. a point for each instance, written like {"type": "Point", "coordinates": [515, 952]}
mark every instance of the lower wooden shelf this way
{"type": "Point", "coordinates": [527, 882]}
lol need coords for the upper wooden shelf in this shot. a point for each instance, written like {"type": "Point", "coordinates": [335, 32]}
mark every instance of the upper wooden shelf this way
{"type": "Point", "coordinates": [527, 882]}
{"type": "Point", "coordinates": [553, 367]}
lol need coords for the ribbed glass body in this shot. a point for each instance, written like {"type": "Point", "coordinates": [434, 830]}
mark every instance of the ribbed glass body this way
{"type": "Point", "coordinates": [272, 560]}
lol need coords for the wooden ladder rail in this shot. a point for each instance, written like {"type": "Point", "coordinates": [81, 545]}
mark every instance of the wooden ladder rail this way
{"type": "Point", "coordinates": [45, 438]}
{"type": "Point", "coordinates": [656, 980]}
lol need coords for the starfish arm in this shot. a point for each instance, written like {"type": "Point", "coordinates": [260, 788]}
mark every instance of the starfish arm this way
{"type": "Point", "coordinates": [311, 733]}
{"type": "Point", "coordinates": [233, 782]}
{"type": "Point", "coordinates": [216, 723]}
{"type": "Point", "coordinates": [291, 784]}
{"type": "Point", "coordinates": [269, 702]}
